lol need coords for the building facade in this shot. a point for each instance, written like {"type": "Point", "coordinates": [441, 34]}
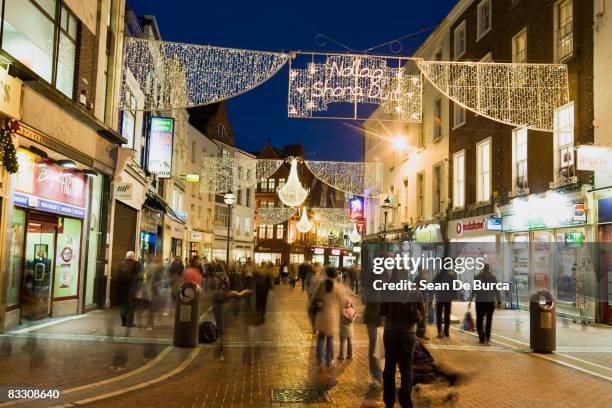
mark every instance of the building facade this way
{"type": "Point", "coordinates": [66, 58]}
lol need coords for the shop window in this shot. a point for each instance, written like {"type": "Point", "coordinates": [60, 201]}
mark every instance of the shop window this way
{"type": "Point", "coordinates": [485, 18]}
{"type": "Point", "coordinates": [437, 189]}
{"type": "Point", "coordinates": [270, 231]}
{"type": "Point", "coordinates": [459, 179]}
{"type": "Point", "coordinates": [483, 171]}
{"type": "Point", "coordinates": [67, 262]}
{"type": "Point", "coordinates": [15, 269]}
{"type": "Point", "coordinates": [42, 40]}
{"type": "Point", "coordinates": [261, 232]}
{"type": "Point", "coordinates": [564, 29]}
{"type": "Point", "coordinates": [271, 184]}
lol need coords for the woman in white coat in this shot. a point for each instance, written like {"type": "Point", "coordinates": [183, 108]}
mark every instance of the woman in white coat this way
{"type": "Point", "coordinates": [326, 304]}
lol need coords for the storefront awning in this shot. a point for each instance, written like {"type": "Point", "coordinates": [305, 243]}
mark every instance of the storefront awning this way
{"type": "Point", "coordinates": [155, 201]}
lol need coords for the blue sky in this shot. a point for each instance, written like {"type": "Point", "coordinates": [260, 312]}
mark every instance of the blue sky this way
{"type": "Point", "coordinates": [261, 114]}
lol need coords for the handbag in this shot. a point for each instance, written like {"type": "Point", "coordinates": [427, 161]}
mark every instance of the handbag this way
{"type": "Point", "coordinates": [468, 320]}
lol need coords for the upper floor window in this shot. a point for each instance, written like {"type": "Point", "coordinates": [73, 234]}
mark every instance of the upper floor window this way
{"type": "Point", "coordinates": [281, 182]}
{"type": "Point", "coordinates": [420, 187]}
{"type": "Point", "coordinates": [248, 198]}
{"type": "Point", "coordinates": [280, 231]}
{"type": "Point", "coordinates": [239, 197]}
{"type": "Point", "coordinates": [437, 131]}
{"type": "Point", "coordinates": [271, 184]}
{"type": "Point", "coordinates": [221, 132]}
{"type": "Point", "coordinates": [564, 141]}
{"type": "Point", "coordinates": [458, 115]}
{"type": "Point", "coordinates": [193, 151]}
{"type": "Point", "coordinates": [459, 41]}
{"type": "Point", "coordinates": [437, 186]}
{"type": "Point", "coordinates": [459, 179]}
{"type": "Point", "coordinates": [519, 47]}
{"type": "Point", "coordinates": [128, 119]}
{"type": "Point", "coordinates": [485, 18]}
{"type": "Point", "coordinates": [564, 26]}
{"type": "Point", "coordinates": [42, 35]}
{"type": "Point", "coordinates": [483, 171]}
{"type": "Point", "coordinates": [519, 160]}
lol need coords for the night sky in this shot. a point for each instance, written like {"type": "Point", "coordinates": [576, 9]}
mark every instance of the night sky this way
{"type": "Point", "coordinates": [261, 114]}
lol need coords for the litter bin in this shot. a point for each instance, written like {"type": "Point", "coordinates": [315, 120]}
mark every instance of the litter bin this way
{"type": "Point", "coordinates": [542, 333]}
{"type": "Point", "coordinates": [187, 315]}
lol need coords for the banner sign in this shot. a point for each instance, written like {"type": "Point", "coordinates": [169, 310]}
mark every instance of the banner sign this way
{"type": "Point", "coordinates": [160, 146]}
{"type": "Point", "coordinates": [317, 81]}
{"type": "Point", "coordinates": [49, 187]}
{"type": "Point", "coordinates": [594, 158]}
{"type": "Point", "coordinates": [356, 208]}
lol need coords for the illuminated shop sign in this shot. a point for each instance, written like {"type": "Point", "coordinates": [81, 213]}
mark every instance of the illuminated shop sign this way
{"type": "Point", "coordinates": [356, 208]}
{"type": "Point", "coordinates": [160, 146]}
{"type": "Point", "coordinates": [553, 210]}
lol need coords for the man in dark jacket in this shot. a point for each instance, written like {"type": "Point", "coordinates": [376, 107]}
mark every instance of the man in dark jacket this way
{"type": "Point", "coordinates": [485, 302]}
{"type": "Point", "coordinates": [444, 296]}
{"type": "Point", "coordinates": [303, 271]}
{"type": "Point", "coordinates": [175, 270]}
{"type": "Point", "coordinates": [401, 320]}
{"type": "Point", "coordinates": [129, 272]}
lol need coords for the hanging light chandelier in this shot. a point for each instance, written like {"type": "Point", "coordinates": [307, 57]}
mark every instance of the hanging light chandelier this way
{"type": "Point", "coordinates": [292, 193]}
{"type": "Point", "coordinates": [354, 236]}
{"type": "Point", "coordinates": [304, 225]}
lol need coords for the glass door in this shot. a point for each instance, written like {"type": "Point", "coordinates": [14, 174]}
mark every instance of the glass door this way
{"type": "Point", "coordinates": [39, 259]}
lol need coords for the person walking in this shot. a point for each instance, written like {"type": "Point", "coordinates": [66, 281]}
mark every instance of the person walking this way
{"type": "Point", "coordinates": [347, 317]}
{"type": "Point", "coordinates": [220, 287]}
{"type": "Point", "coordinates": [303, 271]}
{"type": "Point", "coordinates": [263, 284]}
{"type": "Point", "coordinates": [285, 273]}
{"type": "Point", "coordinates": [485, 303]}
{"type": "Point", "coordinates": [422, 276]}
{"type": "Point", "coordinates": [401, 320]}
{"type": "Point", "coordinates": [373, 320]}
{"type": "Point", "coordinates": [326, 303]}
{"type": "Point", "coordinates": [193, 272]}
{"type": "Point", "coordinates": [129, 272]}
{"type": "Point", "coordinates": [444, 298]}
{"type": "Point", "coordinates": [293, 274]}
{"type": "Point", "coordinates": [313, 279]}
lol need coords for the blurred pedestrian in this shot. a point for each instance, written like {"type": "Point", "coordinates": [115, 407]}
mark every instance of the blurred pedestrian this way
{"type": "Point", "coordinates": [220, 287]}
{"type": "Point", "coordinates": [303, 271]}
{"type": "Point", "coordinates": [326, 303]}
{"type": "Point", "coordinates": [263, 284]}
{"type": "Point", "coordinates": [444, 297]}
{"type": "Point", "coordinates": [285, 273]}
{"type": "Point", "coordinates": [401, 320]}
{"type": "Point", "coordinates": [293, 274]}
{"type": "Point", "coordinates": [422, 276]}
{"type": "Point", "coordinates": [485, 303]}
{"type": "Point", "coordinates": [129, 271]}
{"type": "Point", "coordinates": [347, 317]}
{"type": "Point", "coordinates": [373, 320]}
{"type": "Point", "coordinates": [313, 279]}
{"type": "Point", "coordinates": [194, 272]}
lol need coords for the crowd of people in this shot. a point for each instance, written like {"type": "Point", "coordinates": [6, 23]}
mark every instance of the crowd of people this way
{"type": "Point", "coordinates": [395, 327]}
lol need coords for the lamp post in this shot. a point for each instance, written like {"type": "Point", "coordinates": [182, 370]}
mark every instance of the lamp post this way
{"type": "Point", "coordinates": [386, 207]}
{"type": "Point", "coordinates": [228, 199]}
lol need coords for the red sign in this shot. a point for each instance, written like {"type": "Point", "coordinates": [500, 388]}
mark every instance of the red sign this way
{"type": "Point", "coordinates": [335, 251]}
{"type": "Point", "coordinates": [50, 181]}
{"type": "Point", "coordinates": [470, 226]}
{"type": "Point", "coordinates": [318, 251]}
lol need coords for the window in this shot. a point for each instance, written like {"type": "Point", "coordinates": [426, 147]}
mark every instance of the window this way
{"type": "Point", "coordinates": [247, 226]}
{"type": "Point", "coordinates": [221, 132]}
{"type": "Point", "coordinates": [270, 231]}
{"type": "Point", "coordinates": [263, 186]}
{"type": "Point", "coordinates": [281, 182]}
{"type": "Point", "coordinates": [177, 200]}
{"type": "Point", "coordinates": [485, 20]}
{"type": "Point", "coordinates": [280, 231]}
{"type": "Point", "coordinates": [438, 56]}
{"type": "Point", "coordinates": [459, 40]}
{"type": "Point", "coordinates": [519, 47]}
{"type": "Point", "coordinates": [261, 232]}
{"type": "Point", "coordinates": [270, 204]}
{"type": "Point", "coordinates": [248, 198]}
{"type": "Point", "coordinates": [519, 155]}
{"type": "Point", "coordinates": [458, 115]}
{"type": "Point", "coordinates": [437, 125]}
{"type": "Point", "coordinates": [420, 194]}
{"type": "Point", "coordinates": [459, 179]}
{"type": "Point", "coordinates": [271, 184]}
{"type": "Point", "coordinates": [483, 171]}
{"type": "Point", "coordinates": [239, 197]}
{"type": "Point", "coordinates": [128, 119]}
{"type": "Point", "coordinates": [564, 141]}
{"type": "Point", "coordinates": [237, 223]}
{"type": "Point", "coordinates": [221, 214]}
{"type": "Point", "coordinates": [564, 29]}
{"type": "Point", "coordinates": [437, 189]}
{"type": "Point", "coordinates": [43, 41]}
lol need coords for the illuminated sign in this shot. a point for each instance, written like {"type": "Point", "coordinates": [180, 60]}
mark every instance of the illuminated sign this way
{"type": "Point", "coordinates": [335, 252]}
{"type": "Point", "coordinates": [160, 146]}
{"type": "Point", "coordinates": [356, 208]}
{"type": "Point", "coordinates": [594, 158]}
{"type": "Point", "coordinates": [192, 178]}
{"type": "Point", "coordinates": [318, 251]}
{"type": "Point", "coordinates": [553, 210]}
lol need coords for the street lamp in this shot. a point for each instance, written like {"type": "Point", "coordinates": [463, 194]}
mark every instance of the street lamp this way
{"type": "Point", "coordinates": [399, 143]}
{"type": "Point", "coordinates": [228, 199]}
{"type": "Point", "coordinates": [386, 207]}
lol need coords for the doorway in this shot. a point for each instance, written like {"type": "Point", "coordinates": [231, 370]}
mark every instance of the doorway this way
{"type": "Point", "coordinates": [39, 262]}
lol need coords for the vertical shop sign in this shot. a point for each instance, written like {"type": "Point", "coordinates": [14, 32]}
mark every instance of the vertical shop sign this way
{"type": "Point", "coordinates": [160, 146]}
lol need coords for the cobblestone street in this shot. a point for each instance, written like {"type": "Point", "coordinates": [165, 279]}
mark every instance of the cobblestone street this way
{"type": "Point", "coordinates": [265, 365]}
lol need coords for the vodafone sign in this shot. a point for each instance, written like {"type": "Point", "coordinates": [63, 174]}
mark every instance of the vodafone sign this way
{"type": "Point", "coordinates": [470, 226]}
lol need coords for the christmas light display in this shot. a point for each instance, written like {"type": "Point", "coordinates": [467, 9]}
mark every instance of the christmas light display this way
{"type": "Point", "coordinates": [176, 75]}
{"type": "Point", "coordinates": [362, 179]}
{"type": "Point", "coordinates": [223, 174]}
{"type": "Point", "coordinates": [304, 225]}
{"type": "Point", "coordinates": [292, 193]}
{"type": "Point", "coordinates": [354, 236]}
{"type": "Point", "coordinates": [353, 80]}
{"type": "Point", "coordinates": [274, 215]}
{"type": "Point", "coordinates": [514, 94]}
{"type": "Point", "coordinates": [338, 217]}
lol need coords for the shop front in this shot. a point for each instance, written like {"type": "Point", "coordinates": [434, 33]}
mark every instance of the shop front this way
{"type": "Point", "coordinates": [269, 253]}
{"type": "Point", "coordinates": [46, 259]}
{"type": "Point", "coordinates": [151, 233]}
{"type": "Point", "coordinates": [545, 248]}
